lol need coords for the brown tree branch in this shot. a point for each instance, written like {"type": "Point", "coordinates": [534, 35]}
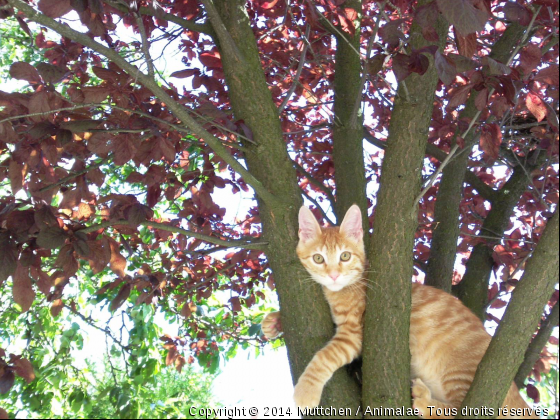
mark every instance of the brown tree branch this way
{"type": "Point", "coordinates": [325, 216]}
{"type": "Point", "coordinates": [455, 149]}
{"type": "Point", "coordinates": [51, 111]}
{"type": "Point", "coordinates": [348, 148]}
{"type": "Point", "coordinates": [432, 150]}
{"type": "Point", "coordinates": [222, 35]}
{"type": "Point", "coordinates": [126, 130]}
{"type": "Point", "coordinates": [316, 182]}
{"type": "Point", "coordinates": [75, 175]}
{"type": "Point", "coordinates": [386, 366]}
{"type": "Point", "coordinates": [89, 321]}
{"type": "Point", "coordinates": [301, 304]}
{"type": "Point", "coordinates": [477, 114]}
{"type": "Point", "coordinates": [145, 45]}
{"type": "Point", "coordinates": [358, 101]}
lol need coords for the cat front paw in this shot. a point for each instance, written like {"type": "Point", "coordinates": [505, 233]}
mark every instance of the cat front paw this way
{"type": "Point", "coordinates": [271, 325]}
{"type": "Point", "coordinates": [421, 396]}
{"type": "Point", "coordinates": [307, 395]}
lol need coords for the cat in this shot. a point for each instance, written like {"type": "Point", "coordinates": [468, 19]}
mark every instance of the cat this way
{"type": "Point", "coordinates": [447, 341]}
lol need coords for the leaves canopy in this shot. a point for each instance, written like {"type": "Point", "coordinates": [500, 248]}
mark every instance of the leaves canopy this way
{"type": "Point", "coordinates": [114, 168]}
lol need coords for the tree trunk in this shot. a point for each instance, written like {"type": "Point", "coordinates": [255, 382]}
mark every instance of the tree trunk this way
{"type": "Point", "coordinates": [306, 318]}
{"type": "Point", "coordinates": [386, 355]}
{"type": "Point", "coordinates": [348, 149]}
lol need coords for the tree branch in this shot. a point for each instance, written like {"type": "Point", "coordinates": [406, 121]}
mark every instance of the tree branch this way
{"type": "Point", "coordinates": [348, 146]}
{"type": "Point", "coordinates": [204, 28]}
{"type": "Point", "coordinates": [315, 182]}
{"type": "Point", "coordinates": [477, 114]}
{"type": "Point", "coordinates": [75, 175]}
{"type": "Point", "coordinates": [390, 253]}
{"type": "Point", "coordinates": [493, 377]}
{"type": "Point", "coordinates": [450, 191]}
{"type": "Point", "coordinates": [537, 345]}
{"type": "Point", "coordinates": [358, 101]}
{"type": "Point", "coordinates": [176, 108]}
{"type": "Point", "coordinates": [298, 73]}
{"type": "Point", "coordinates": [125, 130]}
{"type": "Point", "coordinates": [145, 45]}
{"type": "Point", "coordinates": [222, 34]}
{"type": "Point", "coordinates": [432, 150]}
{"type": "Point", "coordinates": [473, 288]}
{"type": "Point", "coordinates": [325, 216]}
{"type": "Point", "coordinates": [240, 243]}
{"type": "Point", "coordinates": [89, 321]}
{"type": "Point", "coordinates": [449, 156]}
{"type": "Point", "coordinates": [301, 303]}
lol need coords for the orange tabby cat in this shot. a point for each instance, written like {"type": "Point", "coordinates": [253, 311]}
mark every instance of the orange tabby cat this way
{"type": "Point", "coordinates": [447, 341]}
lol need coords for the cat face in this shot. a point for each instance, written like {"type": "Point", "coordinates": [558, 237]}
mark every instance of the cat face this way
{"type": "Point", "coordinates": [334, 256]}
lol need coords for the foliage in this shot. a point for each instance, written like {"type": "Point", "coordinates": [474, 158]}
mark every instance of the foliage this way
{"type": "Point", "coordinates": [61, 384]}
{"type": "Point", "coordinates": [171, 396]}
{"type": "Point", "coordinates": [15, 45]}
{"type": "Point", "coordinates": [548, 388]}
{"type": "Point", "coordinates": [104, 156]}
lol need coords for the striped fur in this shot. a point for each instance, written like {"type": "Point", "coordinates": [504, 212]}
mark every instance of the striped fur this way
{"type": "Point", "coordinates": [447, 341]}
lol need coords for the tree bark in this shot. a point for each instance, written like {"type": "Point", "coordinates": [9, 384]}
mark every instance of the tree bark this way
{"type": "Point", "coordinates": [348, 149]}
{"type": "Point", "coordinates": [494, 377]}
{"type": "Point", "coordinates": [386, 355]}
{"type": "Point", "coordinates": [537, 345]}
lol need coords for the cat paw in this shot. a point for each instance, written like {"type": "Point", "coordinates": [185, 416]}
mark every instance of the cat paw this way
{"type": "Point", "coordinates": [307, 395]}
{"type": "Point", "coordinates": [271, 325]}
{"type": "Point", "coordinates": [421, 396]}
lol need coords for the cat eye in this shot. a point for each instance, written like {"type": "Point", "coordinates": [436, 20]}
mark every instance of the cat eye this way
{"type": "Point", "coordinates": [318, 258]}
{"type": "Point", "coordinates": [345, 256]}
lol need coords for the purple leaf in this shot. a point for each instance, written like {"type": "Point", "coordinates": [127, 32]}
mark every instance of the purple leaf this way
{"type": "Point", "coordinates": [445, 68]}
{"type": "Point", "coordinates": [463, 15]}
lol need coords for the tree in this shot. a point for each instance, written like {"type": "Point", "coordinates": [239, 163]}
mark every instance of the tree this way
{"type": "Point", "coordinates": [277, 101]}
{"type": "Point", "coordinates": [171, 396]}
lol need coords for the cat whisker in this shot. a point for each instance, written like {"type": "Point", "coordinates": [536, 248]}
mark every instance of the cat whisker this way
{"type": "Point", "coordinates": [371, 287]}
{"type": "Point", "coordinates": [355, 287]}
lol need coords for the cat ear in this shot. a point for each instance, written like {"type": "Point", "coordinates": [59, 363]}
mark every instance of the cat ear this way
{"type": "Point", "coordinates": [308, 226]}
{"type": "Point", "coordinates": [352, 224]}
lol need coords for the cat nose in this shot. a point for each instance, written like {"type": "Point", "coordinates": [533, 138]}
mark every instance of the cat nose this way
{"type": "Point", "coordinates": [334, 275]}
